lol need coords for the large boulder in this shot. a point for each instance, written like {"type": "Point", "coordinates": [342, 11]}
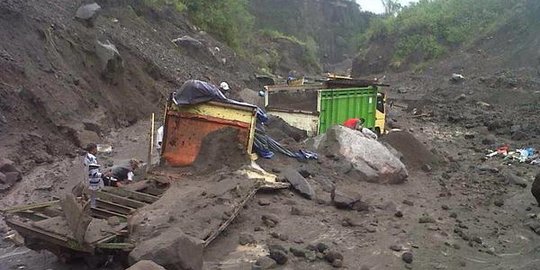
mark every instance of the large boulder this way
{"type": "Point", "coordinates": [112, 64]}
{"type": "Point", "coordinates": [9, 174]}
{"type": "Point", "coordinates": [368, 158]}
{"type": "Point", "coordinates": [188, 43]}
{"type": "Point", "coordinates": [172, 249]}
{"type": "Point", "coordinates": [146, 265]}
{"type": "Point", "coordinates": [88, 13]}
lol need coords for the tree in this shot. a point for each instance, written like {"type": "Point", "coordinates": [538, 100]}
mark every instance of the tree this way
{"type": "Point", "coordinates": [391, 7]}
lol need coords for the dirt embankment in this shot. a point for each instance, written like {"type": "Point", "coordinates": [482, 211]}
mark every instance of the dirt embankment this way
{"type": "Point", "coordinates": [58, 89]}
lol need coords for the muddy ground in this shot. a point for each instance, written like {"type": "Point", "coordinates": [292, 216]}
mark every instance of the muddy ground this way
{"type": "Point", "coordinates": [462, 213]}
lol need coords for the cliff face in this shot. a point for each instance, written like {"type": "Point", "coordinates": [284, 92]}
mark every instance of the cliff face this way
{"type": "Point", "coordinates": [331, 23]}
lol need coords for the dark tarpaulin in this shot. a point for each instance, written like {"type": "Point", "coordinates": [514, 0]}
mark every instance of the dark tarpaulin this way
{"type": "Point", "coordinates": [195, 92]}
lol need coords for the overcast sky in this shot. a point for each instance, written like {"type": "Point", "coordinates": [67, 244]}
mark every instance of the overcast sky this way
{"type": "Point", "coordinates": [376, 6]}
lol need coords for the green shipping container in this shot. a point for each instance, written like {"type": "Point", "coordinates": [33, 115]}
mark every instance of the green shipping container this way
{"type": "Point", "coordinates": [338, 105]}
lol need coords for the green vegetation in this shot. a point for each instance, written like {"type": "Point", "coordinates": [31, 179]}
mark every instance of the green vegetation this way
{"type": "Point", "coordinates": [228, 20]}
{"type": "Point", "coordinates": [429, 28]}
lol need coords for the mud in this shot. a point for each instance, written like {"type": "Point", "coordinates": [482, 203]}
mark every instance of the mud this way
{"type": "Point", "coordinates": [279, 130]}
{"type": "Point", "coordinates": [414, 153]}
{"type": "Point", "coordinates": [221, 149]}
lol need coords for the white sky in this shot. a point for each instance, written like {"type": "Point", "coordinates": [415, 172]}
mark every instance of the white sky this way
{"type": "Point", "coordinates": [376, 6]}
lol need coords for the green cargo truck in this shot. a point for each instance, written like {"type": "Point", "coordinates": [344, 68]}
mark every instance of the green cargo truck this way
{"type": "Point", "coordinates": [317, 107]}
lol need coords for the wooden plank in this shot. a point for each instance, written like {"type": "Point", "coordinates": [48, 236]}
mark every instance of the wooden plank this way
{"type": "Point", "coordinates": [120, 200]}
{"type": "Point", "coordinates": [154, 191]}
{"type": "Point", "coordinates": [28, 231]}
{"type": "Point", "coordinates": [235, 213]}
{"type": "Point", "coordinates": [104, 214]}
{"type": "Point", "coordinates": [117, 246]}
{"type": "Point", "coordinates": [35, 216]}
{"type": "Point", "coordinates": [139, 196]}
{"type": "Point", "coordinates": [29, 207]}
{"type": "Point", "coordinates": [114, 207]}
{"type": "Point", "coordinates": [77, 217]}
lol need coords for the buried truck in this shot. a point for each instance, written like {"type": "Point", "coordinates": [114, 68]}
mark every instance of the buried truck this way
{"type": "Point", "coordinates": [317, 107]}
{"type": "Point", "coordinates": [204, 178]}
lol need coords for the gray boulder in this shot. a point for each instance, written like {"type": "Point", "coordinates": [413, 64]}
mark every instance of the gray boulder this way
{"type": "Point", "coordinates": [188, 42]}
{"type": "Point", "coordinates": [88, 13]}
{"type": "Point", "coordinates": [173, 249]}
{"type": "Point", "coordinates": [371, 161]}
{"type": "Point", "coordinates": [112, 64]}
{"type": "Point", "coordinates": [146, 265]}
{"type": "Point", "coordinates": [299, 183]}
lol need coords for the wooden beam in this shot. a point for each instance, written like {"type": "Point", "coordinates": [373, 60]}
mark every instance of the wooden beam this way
{"type": "Point", "coordinates": [104, 214]}
{"type": "Point", "coordinates": [29, 207]}
{"type": "Point", "coordinates": [139, 196]}
{"type": "Point", "coordinates": [120, 200]}
{"type": "Point", "coordinates": [114, 207]}
{"type": "Point", "coordinates": [117, 246]}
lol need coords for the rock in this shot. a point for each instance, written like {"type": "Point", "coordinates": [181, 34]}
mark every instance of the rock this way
{"type": "Point", "coordinates": [371, 161]}
{"type": "Point", "coordinates": [520, 136]}
{"type": "Point", "coordinates": [331, 256]}
{"type": "Point", "coordinates": [535, 188]}
{"type": "Point", "coordinates": [407, 202]}
{"type": "Point", "coordinates": [445, 207]}
{"type": "Point", "coordinates": [270, 220]}
{"type": "Point", "coordinates": [246, 238]}
{"type": "Point", "coordinates": [188, 43]}
{"type": "Point", "coordinates": [2, 178]}
{"type": "Point", "coordinates": [7, 165]}
{"type": "Point", "coordinates": [499, 202]}
{"type": "Point", "coordinates": [426, 219]}
{"type": "Point", "coordinates": [351, 222]}
{"type": "Point", "coordinates": [265, 262]}
{"type": "Point", "coordinates": [489, 140]}
{"type": "Point", "coordinates": [173, 249]}
{"type": "Point", "coordinates": [112, 64]}
{"type": "Point", "coordinates": [311, 256]}
{"type": "Point", "coordinates": [398, 214]}
{"type": "Point", "coordinates": [279, 256]}
{"type": "Point", "coordinates": [461, 97]}
{"type": "Point", "coordinates": [298, 252]}
{"type": "Point", "coordinates": [407, 257]}
{"type": "Point", "coordinates": [10, 178]}
{"type": "Point", "coordinates": [515, 180]}
{"type": "Point", "coordinates": [344, 199]}
{"type": "Point", "coordinates": [426, 168]}
{"type": "Point", "coordinates": [298, 182]}
{"type": "Point", "coordinates": [263, 202]}
{"type": "Point", "coordinates": [337, 263]}
{"type": "Point", "coordinates": [113, 221]}
{"type": "Point", "coordinates": [297, 211]}
{"type": "Point", "coordinates": [146, 265]}
{"type": "Point", "coordinates": [453, 215]}
{"type": "Point", "coordinates": [321, 247]}
{"type": "Point", "coordinates": [396, 248]}
{"type": "Point", "coordinates": [456, 78]}
{"type": "Point", "coordinates": [88, 13]}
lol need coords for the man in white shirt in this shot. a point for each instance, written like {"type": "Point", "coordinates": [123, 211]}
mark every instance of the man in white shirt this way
{"type": "Point", "coordinates": [159, 138]}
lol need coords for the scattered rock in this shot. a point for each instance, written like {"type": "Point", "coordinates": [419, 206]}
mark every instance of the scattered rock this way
{"type": "Point", "coordinates": [188, 43]}
{"type": "Point", "coordinates": [270, 220]}
{"type": "Point", "coordinates": [426, 219]}
{"type": "Point", "coordinates": [331, 256]}
{"type": "Point", "coordinates": [520, 136]}
{"type": "Point", "coordinates": [265, 262]}
{"type": "Point", "coordinates": [299, 183]}
{"type": "Point", "coordinates": [264, 202]}
{"type": "Point", "coordinates": [146, 265]}
{"type": "Point", "coordinates": [515, 180]}
{"type": "Point", "coordinates": [298, 252]}
{"type": "Point", "coordinates": [344, 199]}
{"type": "Point", "coordinates": [407, 202]}
{"type": "Point", "coordinates": [246, 238]}
{"type": "Point", "coordinates": [88, 13]}
{"type": "Point", "coordinates": [535, 188]}
{"type": "Point", "coordinates": [489, 140]}
{"type": "Point", "coordinates": [337, 263]}
{"type": "Point", "coordinates": [279, 256]}
{"type": "Point", "coordinates": [499, 202]}
{"type": "Point", "coordinates": [297, 211]}
{"type": "Point", "coordinates": [321, 247]}
{"type": "Point", "coordinates": [396, 248]}
{"type": "Point", "coordinates": [407, 257]}
{"type": "Point", "coordinates": [172, 249]}
{"type": "Point", "coordinates": [445, 207]}
{"type": "Point", "coordinates": [453, 215]}
{"type": "Point", "coordinates": [398, 214]}
{"type": "Point", "coordinates": [426, 168]}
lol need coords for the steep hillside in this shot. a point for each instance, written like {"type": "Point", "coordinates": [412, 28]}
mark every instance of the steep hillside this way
{"type": "Point", "coordinates": [332, 24]}
{"type": "Point", "coordinates": [430, 31]}
{"type": "Point", "coordinates": [58, 89]}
